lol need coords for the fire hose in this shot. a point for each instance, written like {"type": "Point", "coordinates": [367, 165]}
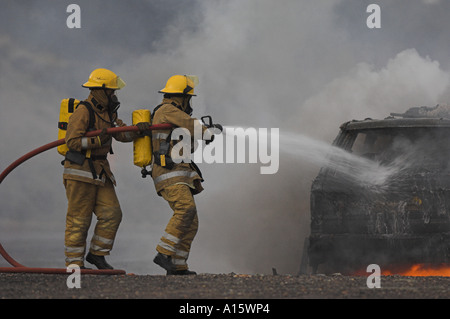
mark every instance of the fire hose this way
{"type": "Point", "coordinates": [19, 268]}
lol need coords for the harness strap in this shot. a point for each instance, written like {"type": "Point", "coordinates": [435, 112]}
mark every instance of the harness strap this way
{"type": "Point", "coordinates": [91, 127]}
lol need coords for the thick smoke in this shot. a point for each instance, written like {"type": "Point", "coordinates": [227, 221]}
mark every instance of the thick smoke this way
{"type": "Point", "coordinates": [406, 80]}
{"type": "Point", "coordinates": [301, 66]}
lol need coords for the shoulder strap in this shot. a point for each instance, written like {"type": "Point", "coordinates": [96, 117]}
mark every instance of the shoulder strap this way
{"type": "Point", "coordinates": [169, 137]}
{"type": "Point", "coordinates": [156, 109]}
{"type": "Point", "coordinates": [70, 105]}
{"type": "Point", "coordinates": [158, 106]}
{"type": "Point", "coordinates": [91, 114]}
{"type": "Point", "coordinates": [92, 120]}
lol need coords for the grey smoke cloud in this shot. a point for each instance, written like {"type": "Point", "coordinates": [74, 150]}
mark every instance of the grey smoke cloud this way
{"type": "Point", "coordinates": [303, 66]}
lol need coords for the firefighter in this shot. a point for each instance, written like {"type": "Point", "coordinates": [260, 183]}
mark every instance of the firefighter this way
{"type": "Point", "coordinates": [177, 183]}
{"type": "Point", "coordinates": [87, 177]}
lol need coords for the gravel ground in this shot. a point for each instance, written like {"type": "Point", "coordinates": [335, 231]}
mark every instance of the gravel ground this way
{"type": "Point", "coordinates": [220, 286]}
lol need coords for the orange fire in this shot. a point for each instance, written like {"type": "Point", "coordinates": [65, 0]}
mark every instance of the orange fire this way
{"type": "Point", "coordinates": [420, 270]}
{"type": "Point", "coordinates": [416, 270]}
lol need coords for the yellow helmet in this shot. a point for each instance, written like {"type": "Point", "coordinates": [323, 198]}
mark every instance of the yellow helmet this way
{"type": "Point", "coordinates": [104, 79]}
{"type": "Point", "coordinates": [181, 84]}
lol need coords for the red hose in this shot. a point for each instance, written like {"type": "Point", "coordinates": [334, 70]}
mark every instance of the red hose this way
{"type": "Point", "coordinates": [19, 268]}
{"type": "Point", "coordinates": [62, 271]}
{"type": "Point", "coordinates": [8, 258]}
{"type": "Point", "coordinates": [56, 143]}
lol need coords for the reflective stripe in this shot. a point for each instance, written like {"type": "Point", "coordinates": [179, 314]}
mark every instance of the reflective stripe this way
{"type": "Point", "coordinates": [166, 246]}
{"type": "Point", "coordinates": [74, 249]}
{"type": "Point", "coordinates": [172, 238]}
{"type": "Point", "coordinates": [79, 172]}
{"type": "Point", "coordinates": [84, 143]}
{"type": "Point", "coordinates": [103, 240]}
{"type": "Point", "coordinates": [179, 262]}
{"type": "Point", "coordinates": [159, 136]}
{"type": "Point", "coordinates": [69, 260]}
{"type": "Point", "coordinates": [177, 252]}
{"type": "Point", "coordinates": [163, 177]}
{"type": "Point", "coordinates": [98, 248]}
{"type": "Point", "coordinates": [181, 253]}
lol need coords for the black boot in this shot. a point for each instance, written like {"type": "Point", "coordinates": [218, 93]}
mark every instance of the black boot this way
{"type": "Point", "coordinates": [166, 262]}
{"type": "Point", "coordinates": [98, 261]}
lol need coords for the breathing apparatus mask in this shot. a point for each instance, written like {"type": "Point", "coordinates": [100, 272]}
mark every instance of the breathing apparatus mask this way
{"type": "Point", "coordinates": [188, 110]}
{"type": "Point", "coordinates": [113, 102]}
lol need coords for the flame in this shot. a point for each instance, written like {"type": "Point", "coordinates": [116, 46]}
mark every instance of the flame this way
{"type": "Point", "coordinates": [420, 270]}
{"type": "Point", "coordinates": [415, 270]}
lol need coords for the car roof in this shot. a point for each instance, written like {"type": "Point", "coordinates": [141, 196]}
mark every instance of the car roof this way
{"type": "Point", "coordinates": [392, 122]}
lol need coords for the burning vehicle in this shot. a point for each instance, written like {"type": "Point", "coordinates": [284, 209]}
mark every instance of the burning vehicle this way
{"type": "Point", "coordinates": [404, 218]}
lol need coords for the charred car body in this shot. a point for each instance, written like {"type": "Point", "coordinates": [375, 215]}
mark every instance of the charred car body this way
{"type": "Point", "coordinates": [407, 220]}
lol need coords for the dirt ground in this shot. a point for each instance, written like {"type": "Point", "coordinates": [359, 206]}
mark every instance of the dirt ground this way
{"type": "Point", "coordinates": [220, 286]}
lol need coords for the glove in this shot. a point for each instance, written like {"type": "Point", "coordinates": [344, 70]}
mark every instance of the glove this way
{"type": "Point", "coordinates": [143, 126]}
{"type": "Point", "coordinates": [104, 137]}
{"type": "Point", "coordinates": [120, 123]}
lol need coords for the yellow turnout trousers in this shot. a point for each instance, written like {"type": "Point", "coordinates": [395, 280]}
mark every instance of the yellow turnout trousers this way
{"type": "Point", "coordinates": [182, 227]}
{"type": "Point", "coordinates": [83, 200]}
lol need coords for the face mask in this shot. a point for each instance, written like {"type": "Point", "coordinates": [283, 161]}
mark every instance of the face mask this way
{"type": "Point", "coordinates": [113, 103]}
{"type": "Point", "coordinates": [188, 109]}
